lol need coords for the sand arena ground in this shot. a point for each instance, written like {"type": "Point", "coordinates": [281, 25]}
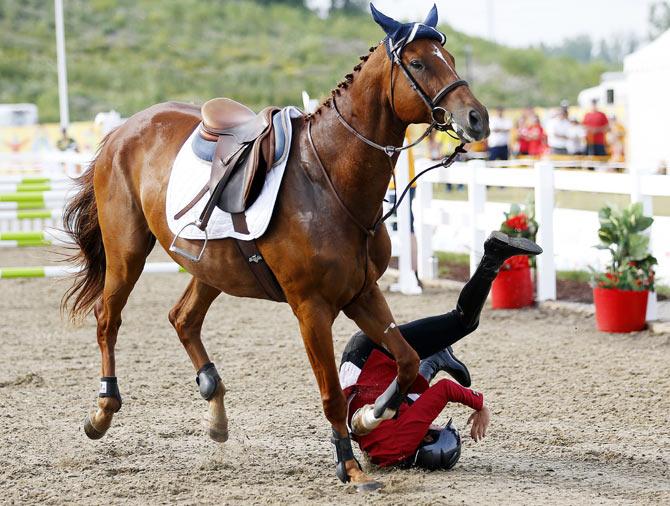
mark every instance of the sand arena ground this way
{"type": "Point", "coordinates": [578, 417]}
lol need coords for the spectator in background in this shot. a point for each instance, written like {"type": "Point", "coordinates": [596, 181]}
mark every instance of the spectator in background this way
{"type": "Point", "coordinates": [535, 135]}
{"type": "Point", "coordinates": [617, 140]}
{"type": "Point", "coordinates": [576, 138]}
{"type": "Point", "coordinates": [558, 132]}
{"type": "Point", "coordinates": [597, 125]}
{"type": "Point", "coordinates": [499, 139]}
{"type": "Point", "coordinates": [66, 143]}
{"type": "Point", "coordinates": [522, 126]}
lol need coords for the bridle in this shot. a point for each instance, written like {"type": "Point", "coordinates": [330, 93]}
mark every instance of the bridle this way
{"type": "Point", "coordinates": [443, 124]}
{"type": "Point", "coordinates": [442, 119]}
{"type": "Point", "coordinates": [447, 117]}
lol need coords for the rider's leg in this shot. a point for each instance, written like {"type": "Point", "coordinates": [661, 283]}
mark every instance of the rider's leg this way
{"type": "Point", "coordinates": [430, 335]}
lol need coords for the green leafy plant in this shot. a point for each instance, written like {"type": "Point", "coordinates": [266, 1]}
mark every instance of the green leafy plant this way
{"type": "Point", "coordinates": [631, 265]}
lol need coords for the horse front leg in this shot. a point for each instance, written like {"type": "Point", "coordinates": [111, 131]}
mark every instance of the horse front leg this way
{"type": "Point", "coordinates": [316, 320]}
{"type": "Point", "coordinates": [373, 316]}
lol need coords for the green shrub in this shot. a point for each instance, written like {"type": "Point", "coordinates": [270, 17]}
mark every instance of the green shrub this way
{"type": "Point", "coordinates": [631, 264]}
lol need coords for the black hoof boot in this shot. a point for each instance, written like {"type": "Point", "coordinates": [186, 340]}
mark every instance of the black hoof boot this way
{"type": "Point", "coordinates": [343, 452]}
{"type": "Point", "coordinates": [502, 246]}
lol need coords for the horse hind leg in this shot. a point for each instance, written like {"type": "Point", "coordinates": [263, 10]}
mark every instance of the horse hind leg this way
{"type": "Point", "coordinates": [127, 242]}
{"type": "Point", "coordinates": [120, 277]}
{"type": "Point", "coordinates": [187, 317]}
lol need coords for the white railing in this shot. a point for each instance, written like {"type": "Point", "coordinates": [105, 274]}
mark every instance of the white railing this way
{"type": "Point", "coordinates": [44, 163]}
{"type": "Point", "coordinates": [544, 179]}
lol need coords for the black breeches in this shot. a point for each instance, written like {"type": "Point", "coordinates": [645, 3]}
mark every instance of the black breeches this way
{"type": "Point", "coordinates": [435, 333]}
{"type": "Point", "coordinates": [426, 336]}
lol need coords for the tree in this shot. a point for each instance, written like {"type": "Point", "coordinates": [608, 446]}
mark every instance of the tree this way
{"type": "Point", "coordinates": [294, 3]}
{"type": "Point", "coordinates": [659, 18]}
{"type": "Point", "coordinates": [580, 48]}
{"type": "Point", "coordinates": [348, 5]}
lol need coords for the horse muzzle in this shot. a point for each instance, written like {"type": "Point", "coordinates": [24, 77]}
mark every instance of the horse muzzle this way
{"type": "Point", "coordinates": [472, 124]}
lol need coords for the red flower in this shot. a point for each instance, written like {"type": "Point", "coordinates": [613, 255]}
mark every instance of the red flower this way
{"type": "Point", "coordinates": [518, 223]}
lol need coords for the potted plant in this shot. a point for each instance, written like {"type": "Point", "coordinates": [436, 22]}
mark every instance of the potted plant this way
{"type": "Point", "coordinates": [513, 287]}
{"type": "Point", "coordinates": [620, 293]}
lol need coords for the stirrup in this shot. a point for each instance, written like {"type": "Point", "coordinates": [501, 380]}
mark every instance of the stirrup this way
{"type": "Point", "coordinates": [183, 252]}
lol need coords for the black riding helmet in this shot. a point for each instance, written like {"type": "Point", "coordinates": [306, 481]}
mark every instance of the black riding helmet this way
{"type": "Point", "coordinates": [443, 452]}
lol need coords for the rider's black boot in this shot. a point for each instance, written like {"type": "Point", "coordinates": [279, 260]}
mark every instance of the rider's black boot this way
{"type": "Point", "coordinates": [445, 361]}
{"type": "Point", "coordinates": [497, 248]}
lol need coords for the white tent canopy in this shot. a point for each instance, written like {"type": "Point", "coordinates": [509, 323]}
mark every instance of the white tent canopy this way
{"type": "Point", "coordinates": [648, 75]}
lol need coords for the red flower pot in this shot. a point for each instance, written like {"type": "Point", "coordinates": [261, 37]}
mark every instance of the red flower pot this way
{"type": "Point", "coordinates": [620, 310]}
{"type": "Point", "coordinates": [513, 287]}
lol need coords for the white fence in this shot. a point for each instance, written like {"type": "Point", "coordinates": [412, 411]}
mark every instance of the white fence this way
{"type": "Point", "coordinates": [566, 235]}
{"type": "Point", "coordinates": [44, 163]}
{"type": "Point", "coordinates": [577, 229]}
{"type": "Point", "coordinates": [35, 186]}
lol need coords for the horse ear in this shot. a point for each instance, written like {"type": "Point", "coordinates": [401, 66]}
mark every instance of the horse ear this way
{"type": "Point", "coordinates": [389, 25]}
{"type": "Point", "coordinates": [431, 19]}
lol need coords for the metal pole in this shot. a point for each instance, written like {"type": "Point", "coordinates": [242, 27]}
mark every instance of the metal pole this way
{"type": "Point", "coordinates": [491, 21]}
{"type": "Point", "coordinates": [62, 67]}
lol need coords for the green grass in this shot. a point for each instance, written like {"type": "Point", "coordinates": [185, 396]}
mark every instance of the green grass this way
{"type": "Point", "coordinates": [129, 54]}
{"type": "Point", "coordinates": [454, 258]}
{"type": "Point", "coordinates": [463, 259]}
{"type": "Point", "coordinates": [580, 276]}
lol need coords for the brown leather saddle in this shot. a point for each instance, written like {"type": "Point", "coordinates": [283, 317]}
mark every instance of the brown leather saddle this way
{"type": "Point", "coordinates": [243, 155]}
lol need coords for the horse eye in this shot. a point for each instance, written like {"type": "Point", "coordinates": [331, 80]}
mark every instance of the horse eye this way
{"type": "Point", "coordinates": [416, 64]}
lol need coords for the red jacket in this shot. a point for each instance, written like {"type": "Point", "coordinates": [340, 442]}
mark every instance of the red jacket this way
{"type": "Point", "coordinates": [397, 439]}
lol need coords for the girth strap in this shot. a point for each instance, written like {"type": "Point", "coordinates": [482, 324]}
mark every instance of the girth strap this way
{"type": "Point", "coordinates": [260, 269]}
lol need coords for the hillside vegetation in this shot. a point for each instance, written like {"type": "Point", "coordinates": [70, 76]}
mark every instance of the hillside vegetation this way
{"type": "Point", "coordinates": [129, 54]}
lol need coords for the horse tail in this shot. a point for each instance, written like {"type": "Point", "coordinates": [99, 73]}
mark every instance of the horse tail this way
{"type": "Point", "coordinates": [80, 221]}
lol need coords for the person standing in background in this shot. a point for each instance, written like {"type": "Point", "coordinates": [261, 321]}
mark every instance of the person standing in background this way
{"type": "Point", "coordinates": [597, 125]}
{"type": "Point", "coordinates": [522, 126]}
{"type": "Point", "coordinates": [535, 135]}
{"type": "Point", "coordinates": [66, 142]}
{"type": "Point", "coordinates": [499, 139]}
{"type": "Point", "coordinates": [617, 140]}
{"type": "Point", "coordinates": [576, 138]}
{"type": "Point", "coordinates": [558, 130]}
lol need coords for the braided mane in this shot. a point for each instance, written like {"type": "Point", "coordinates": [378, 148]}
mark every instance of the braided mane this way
{"type": "Point", "coordinates": [342, 85]}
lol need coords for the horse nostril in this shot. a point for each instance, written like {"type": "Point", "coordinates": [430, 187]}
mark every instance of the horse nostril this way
{"type": "Point", "coordinates": [475, 120]}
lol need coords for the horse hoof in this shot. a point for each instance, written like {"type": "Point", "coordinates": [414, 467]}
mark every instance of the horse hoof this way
{"type": "Point", "coordinates": [220, 436]}
{"type": "Point", "coordinates": [91, 431]}
{"type": "Point", "coordinates": [368, 486]}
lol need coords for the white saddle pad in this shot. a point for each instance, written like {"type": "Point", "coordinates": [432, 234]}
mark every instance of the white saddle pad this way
{"type": "Point", "coordinates": [190, 174]}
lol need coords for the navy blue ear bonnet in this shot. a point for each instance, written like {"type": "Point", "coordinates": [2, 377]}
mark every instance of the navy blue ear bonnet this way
{"type": "Point", "coordinates": [398, 35]}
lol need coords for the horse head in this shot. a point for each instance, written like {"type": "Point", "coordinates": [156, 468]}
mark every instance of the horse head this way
{"type": "Point", "coordinates": [423, 85]}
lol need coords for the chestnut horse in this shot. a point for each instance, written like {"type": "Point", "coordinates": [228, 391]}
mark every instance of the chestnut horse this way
{"type": "Point", "coordinates": [318, 244]}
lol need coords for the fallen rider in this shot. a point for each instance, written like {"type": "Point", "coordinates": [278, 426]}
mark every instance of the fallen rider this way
{"type": "Point", "coordinates": [367, 369]}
